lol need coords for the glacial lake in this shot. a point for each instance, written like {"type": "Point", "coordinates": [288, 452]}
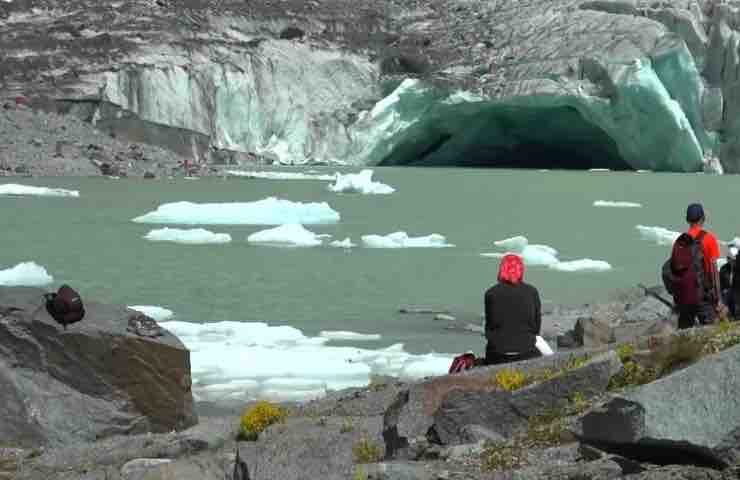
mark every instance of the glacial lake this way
{"type": "Point", "coordinates": [91, 243]}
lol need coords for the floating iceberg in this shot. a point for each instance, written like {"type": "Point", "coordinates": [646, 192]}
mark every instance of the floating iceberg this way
{"type": "Point", "coordinates": [159, 314]}
{"type": "Point", "coordinates": [289, 235]}
{"type": "Point", "coordinates": [280, 175]}
{"type": "Point", "coordinates": [582, 265]}
{"type": "Point", "coordinates": [25, 274]}
{"type": "Point", "coordinates": [346, 243]}
{"type": "Point", "coordinates": [193, 236]}
{"type": "Point", "coordinates": [359, 183]}
{"type": "Point", "coordinates": [607, 203]}
{"type": "Point", "coordinates": [343, 335]}
{"type": "Point", "coordinates": [235, 360]}
{"type": "Point", "coordinates": [402, 240]}
{"type": "Point", "coordinates": [659, 235]}
{"type": "Point", "coordinates": [545, 255]}
{"type": "Point", "coordinates": [268, 211]}
{"type": "Point", "coordinates": [27, 190]}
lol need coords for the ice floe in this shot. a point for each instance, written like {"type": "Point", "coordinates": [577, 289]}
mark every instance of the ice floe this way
{"type": "Point", "coordinates": [608, 203]}
{"type": "Point", "coordinates": [25, 274]}
{"type": "Point", "coordinates": [659, 235]}
{"type": "Point", "coordinates": [27, 190]}
{"type": "Point", "coordinates": [346, 243]}
{"type": "Point", "coordinates": [402, 240]}
{"type": "Point", "coordinates": [276, 175]}
{"type": "Point", "coordinates": [289, 235]}
{"type": "Point", "coordinates": [192, 236]}
{"type": "Point", "coordinates": [359, 183]}
{"type": "Point", "coordinates": [545, 255]}
{"type": "Point", "coordinates": [235, 360]}
{"type": "Point", "coordinates": [344, 335]}
{"type": "Point", "coordinates": [159, 314]}
{"type": "Point", "coordinates": [268, 211]}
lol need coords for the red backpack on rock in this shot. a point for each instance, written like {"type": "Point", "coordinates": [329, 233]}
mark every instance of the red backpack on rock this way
{"type": "Point", "coordinates": [65, 306]}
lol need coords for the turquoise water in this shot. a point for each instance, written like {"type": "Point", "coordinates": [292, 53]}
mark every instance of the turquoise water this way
{"type": "Point", "coordinates": [91, 243]}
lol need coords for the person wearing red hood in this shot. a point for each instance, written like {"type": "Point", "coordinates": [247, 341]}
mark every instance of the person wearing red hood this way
{"type": "Point", "coordinates": [513, 315]}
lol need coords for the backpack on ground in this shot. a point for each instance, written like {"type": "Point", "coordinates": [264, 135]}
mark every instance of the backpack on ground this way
{"type": "Point", "coordinates": [683, 273]}
{"type": "Point", "coordinates": [65, 306]}
{"type": "Point", "coordinates": [463, 362]}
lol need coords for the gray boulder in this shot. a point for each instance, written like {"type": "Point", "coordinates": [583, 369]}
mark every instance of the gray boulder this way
{"type": "Point", "coordinates": [728, 449]}
{"type": "Point", "coordinates": [591, 332]}
{"type": "Point", "coordinates": [604, 469]}
{"type": "Point", "coordinates": [91, 381]}
{"type": "Point", "coordinates": [689, 412]}
{"type": "Point", "coordinates": [507, 412]}
{"type": "Point", "coordinates": [418, 408]}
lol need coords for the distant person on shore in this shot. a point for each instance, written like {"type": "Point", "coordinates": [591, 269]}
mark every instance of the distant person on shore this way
{"type": "Point", "coordinates": [513, 315]}
{"type": "Point", "coordinates": [729, 283]}
{"type": "Point", "coordinates": [691, 273]}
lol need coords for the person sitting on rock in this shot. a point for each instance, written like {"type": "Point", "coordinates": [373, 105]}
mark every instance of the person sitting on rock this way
{"type": "Point", "coordinates": [513, 315]}
{"type": "Point", "coordinates": [729, 281]}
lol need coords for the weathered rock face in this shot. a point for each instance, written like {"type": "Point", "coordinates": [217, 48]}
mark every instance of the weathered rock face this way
{"type": "Point", "coordinates": [691, 411]}
{"type": "Point", "coordinates": [93, 380]}
{"type": "Point", "coordinates": [613, 84]}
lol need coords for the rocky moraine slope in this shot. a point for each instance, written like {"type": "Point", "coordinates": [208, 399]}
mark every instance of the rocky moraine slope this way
{"type": "Point", "coordinates": [621, 84]}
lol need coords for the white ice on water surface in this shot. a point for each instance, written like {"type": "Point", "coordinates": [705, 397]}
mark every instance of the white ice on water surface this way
{"type": "Point", "coordinates": [346, 243]}
{"type": "Point", "coordinates": [235, 360]}
{"type": "Point", "coordinates": [659, 235]}
{"type": "Point", "coordinates": [278, 175]}
{"type": "Point", "coordinates": [25, 274]}
{"type": "Point", "coordinates": [402, 240]}
{"type": "Point", "coordinates": [27, 190]}
{"type": "Point", "coordinates": [545, 255]}
{"type": "Point", "coordinates": [359, 183]}
{"type": "Point", "coordinates": [345, 335]}
{"type": "Point", "coordinates": [268, 211]}
{"type": "Point", "coordinates": [288, 235]}
{"type": "Point", "coordinates": [160, 314]}
{"type": "Point", "coordinates": [618, 204]}
{"type": "Point", "coordinates": [191, 236]}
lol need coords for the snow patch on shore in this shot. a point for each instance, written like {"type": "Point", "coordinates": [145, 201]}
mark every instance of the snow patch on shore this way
{"type": "Point", "coordinates": [268, 211]}
{"type": "Point", "coordinates": [238, 360]}
{"type": "Point", "coordinates": [402, 240]}
{"type": "Point", "coordinates": [27, 190]}
{"type": "Point", "coordinates": [25, 274]}
{"type": "Point", "coordinates": [359, 183]}
{"type": "Point", "coordinates": [192, 236]}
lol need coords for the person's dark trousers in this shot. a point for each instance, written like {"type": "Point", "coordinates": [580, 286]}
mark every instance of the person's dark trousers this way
{"type": "Point", "coordinates": [690, 316]}
{"type": "Point", "coordinates": [493, 358]}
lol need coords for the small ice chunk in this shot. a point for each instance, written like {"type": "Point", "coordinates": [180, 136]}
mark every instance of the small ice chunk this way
{"type": "Point", "coordinates": [289, 235]}
{"type": "Point", "coordinates": [268, 211]}
{"type": "Point", "coordinates": [659, 235]}
{"type": "Point", "coordinates": [159, 314]}
{"type": "Point", "coordinates": [27, 190]}
{"type": "Point", "coordinates": [346, 243]}
{"type": "Point", "coordinates": [582, 265]}
{"type": "Point", "coordinates": [192, 236]}
{"type": "Point", "coordinates": [402, 240]}
{"type": "Point", "coordinates": [531, 254]}
{"type": "Point", "coordinates": [25, 274]}
{"type": "Point", "coordinates": [608, 203]}
{"type": "Point", "coordinates": [267, 175]}
{"type": "Point", "coordinates": [344, 335]}
{"type": "Point", "coordinates": [359, 183]}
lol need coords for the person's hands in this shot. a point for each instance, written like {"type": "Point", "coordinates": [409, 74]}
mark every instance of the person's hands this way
{"type": "Point", "coordinates": [722, 311]}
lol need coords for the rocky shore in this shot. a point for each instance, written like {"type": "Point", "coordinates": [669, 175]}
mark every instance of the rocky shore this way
{"type": "Point", "coordinates": [100, 401]}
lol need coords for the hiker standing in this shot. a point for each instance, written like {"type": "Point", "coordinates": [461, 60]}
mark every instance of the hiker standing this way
{"type": "Point", "coordinates": [729, 283]}
{"type": "Point", "coordinates": [693, 265]}
{"type": "Point", "coordinates": [513, 315]}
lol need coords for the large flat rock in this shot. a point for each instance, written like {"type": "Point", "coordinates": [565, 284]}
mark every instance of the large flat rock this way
{"type": "Point", "coordinates": [93, 380]}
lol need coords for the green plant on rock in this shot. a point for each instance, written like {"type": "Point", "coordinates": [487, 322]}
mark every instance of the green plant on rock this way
{"type": "Point", "coordinates": [347, 425]}
{"type": "Point", "coordinates": [367, 451]}
{"type": "Point", "coordinates": [679, 352]}
{"type": "Point", "coordinates": [632, 375]}
{"type": "Point", "coordinates": [579, 403]}
{"type": "Point", "coordinates": [502, 456]}
{"type": "Point", "coordinates": [258, 417]}
{"type": "Point", "coordinates": [625, 352]}
{"type": "Point", "coordinates": [548, 428]}
{"type": "Point", "coordinates": [510, 379]}
{"type": "Point", "coordinates": [359, 473]}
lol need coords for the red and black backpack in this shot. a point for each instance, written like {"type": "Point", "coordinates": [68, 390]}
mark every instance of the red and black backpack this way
{"type": "Point", "coordinates": [683, 273]}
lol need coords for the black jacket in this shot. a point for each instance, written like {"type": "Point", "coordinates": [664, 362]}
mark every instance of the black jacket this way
{"type": "Point", "coordinates": [513, 317]}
